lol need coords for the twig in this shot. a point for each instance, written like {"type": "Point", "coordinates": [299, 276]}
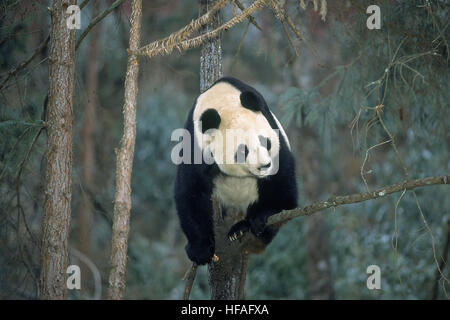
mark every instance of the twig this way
{"type": "Point", "coordinates": [294, 28]}
{"type": "Point", "coordinates": [443, 262]}
{"type": "Point", "coordinates": [395, 238]}
{"type": "Point", "coordinates": [394, 146]}
{"type": "Point", "coordinates": [433, 246]}
{"type": "Point", "coordinates": [13, 148]}
{"type": "Point", "coordinates": [365, 160]}
{"type": "Point", "coordinates": [250, 18]}
{"type": "Point", "coordinates": [19, 174]}
{"type": "Point", "coordinates": [233, 65]}
{"type": "Point", "coordinates": [286, 31]}
{"type": "Point", "coordinates": [441, 33]}
{"type": "Point", "coordinates": [26, 62]}
{"type": "Point", "coordinates": [97, 20]}
{"type": "Point", "coordinates": [20, 213]}
{"type": "Point", "coordinates": [189, 277]}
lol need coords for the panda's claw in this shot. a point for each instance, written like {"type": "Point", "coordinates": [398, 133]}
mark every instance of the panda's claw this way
{"type": "Point", "coordinates": [234, 236]}
{"type": "Point", "coordinates": [238, 230]}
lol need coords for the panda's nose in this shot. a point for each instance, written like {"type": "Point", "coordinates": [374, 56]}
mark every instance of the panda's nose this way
{"type": "Point", "coordinates": [264, 166]}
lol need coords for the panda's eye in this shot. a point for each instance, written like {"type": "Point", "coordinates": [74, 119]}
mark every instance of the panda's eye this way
{"type": "Point", "coordinates": [265, 142]}
{"type": "Point", "coordinates": [241, 153]}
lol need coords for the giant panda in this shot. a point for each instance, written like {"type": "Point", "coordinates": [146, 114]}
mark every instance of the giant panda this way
{"type": "Point", "coordinates": [258, 180]}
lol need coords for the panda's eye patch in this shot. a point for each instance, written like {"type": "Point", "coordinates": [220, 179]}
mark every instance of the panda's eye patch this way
{"type": "Point", "coordinates": [265, 142]}
{"type": "Point", "coordinates": [210, 120]}
{"type": "Point", "coordinates": [250, 101]}
{"type": "Point", "coordinates": [241, 153]}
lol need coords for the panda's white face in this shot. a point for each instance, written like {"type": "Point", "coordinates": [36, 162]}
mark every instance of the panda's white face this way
{"type": "Point", "coordinates": [243, 150]}
{"type": "Point", "coordinates": [240, 140]}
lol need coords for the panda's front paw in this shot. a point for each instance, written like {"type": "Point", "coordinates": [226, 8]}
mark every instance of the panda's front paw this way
{"type": "Point", "coordinates": [200, 253]}
{"type": "Point", "coordinates": [238, 230]}
{"type": "Point", "coordinates": [257, 224]}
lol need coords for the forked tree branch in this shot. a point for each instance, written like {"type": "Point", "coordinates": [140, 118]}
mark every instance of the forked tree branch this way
{"type": "Point", "coordinates": [167, 45]}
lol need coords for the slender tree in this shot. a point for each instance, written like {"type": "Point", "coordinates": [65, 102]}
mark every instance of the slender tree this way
{"type": "Point", "coordinates": [122, 200]}
{"type": "Point", "coordinates": [58, 190]}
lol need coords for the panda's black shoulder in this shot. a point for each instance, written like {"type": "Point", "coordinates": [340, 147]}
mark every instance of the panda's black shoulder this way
{"type": "Point", "coordinates": [238, 84]}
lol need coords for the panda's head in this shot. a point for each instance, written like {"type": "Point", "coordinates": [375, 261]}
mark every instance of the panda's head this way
{"type": "Point", "coordinates": [229, 127]}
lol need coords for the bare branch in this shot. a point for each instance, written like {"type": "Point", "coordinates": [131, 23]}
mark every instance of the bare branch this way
{"type": "Point", "coordinates": [250, 18]}
{"type": "Point", "coordinates": [97, 20]}
{"type": "Point", "coordinates": [287, 215]}
{"type": "Point", "coordinates": [163, 48]}
{"type": "Point", "coordinates": [26, 62]}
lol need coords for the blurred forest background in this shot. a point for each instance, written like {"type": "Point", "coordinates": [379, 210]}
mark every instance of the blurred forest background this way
{"type": "Point", "coordinates": [323, 89]}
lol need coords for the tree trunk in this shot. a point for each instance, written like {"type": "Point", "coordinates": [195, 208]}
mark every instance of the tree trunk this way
{"type": "Point", "coordinates": [122, 200]}
{"type": "Point", "coordinates": [211, 52]}
{"type": "Point", "coordinates": [58, 184]}
{"type": "Point", "coordinates": [226, 276]}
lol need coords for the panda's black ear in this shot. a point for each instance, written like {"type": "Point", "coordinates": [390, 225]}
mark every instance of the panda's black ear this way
{"type": "Point", "coordinates": [210, 120]}
{"type": "Point", "coordinates": [249, 100]}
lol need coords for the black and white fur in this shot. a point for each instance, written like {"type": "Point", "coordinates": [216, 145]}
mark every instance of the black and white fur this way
{"type": "Point", "coordinates": [249, 186]}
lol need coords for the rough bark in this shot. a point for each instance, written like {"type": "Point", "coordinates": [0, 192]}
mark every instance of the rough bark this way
{"type": "Point", "coordinates": [58, 190]}
{"type": "Point", "coordinates": [211, 52]}
{"type": "Point", "coordinates": [122, 199]}
{"type": "Point", "coordinates": [227, 274]}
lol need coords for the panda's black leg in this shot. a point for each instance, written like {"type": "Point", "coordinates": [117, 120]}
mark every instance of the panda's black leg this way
{"type": "Point", "coordinates": [257, 224]}
{"type": "Point", "coordinates": [268, 234]}
{"type": "Point", "coordinates": [238, 230]}
{"type": "Point", "coordinates": [257, 218]}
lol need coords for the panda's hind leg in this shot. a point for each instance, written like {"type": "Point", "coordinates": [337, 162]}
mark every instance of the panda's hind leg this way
{"type": "Point", "coordinates": [257, 244]}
